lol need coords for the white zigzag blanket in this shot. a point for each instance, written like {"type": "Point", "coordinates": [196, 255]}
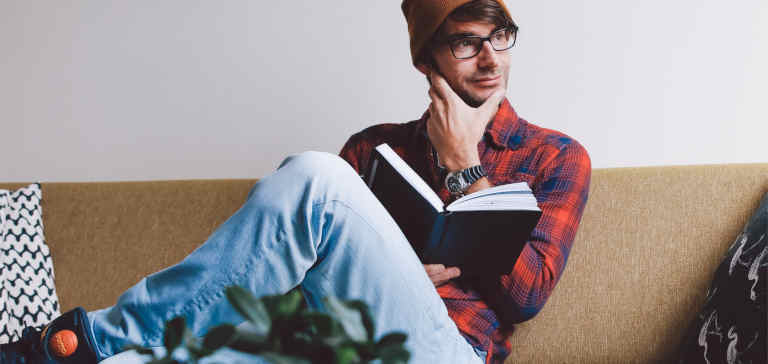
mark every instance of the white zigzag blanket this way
{"type": "Point", "coordinates": [27, 292]}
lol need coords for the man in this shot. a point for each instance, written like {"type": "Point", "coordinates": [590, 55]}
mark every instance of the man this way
{"type": "Point", "coordinates": [462, 48]}
{"type": "Point", "coordinates": [315, 224]}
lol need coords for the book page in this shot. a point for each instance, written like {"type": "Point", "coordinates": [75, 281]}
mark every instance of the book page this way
{"type": "Point", "coordinates": [519, 187]}
{"type": "Point", "coordinates": [513, 196]}
{"type": "Point", "coordinates": [411, 176]}
{"type": "Point", "coordinates": [497, 202]}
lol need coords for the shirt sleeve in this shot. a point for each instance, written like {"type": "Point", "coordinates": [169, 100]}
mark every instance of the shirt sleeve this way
{"type": "Point", "coordinates": [358, 148]}
{"type": "Point", "coordinates": [354, 152]}
{"type": "Point", "coordinates": [562, 195]}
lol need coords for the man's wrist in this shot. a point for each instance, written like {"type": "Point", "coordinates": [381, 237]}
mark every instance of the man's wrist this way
{"type": "Point", "coordinates": [479, 185]}
{"type": "Point", "coordinates": [454, 165]}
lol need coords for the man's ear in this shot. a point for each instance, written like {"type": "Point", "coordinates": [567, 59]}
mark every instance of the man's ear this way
{"type": "Point", "coordinates": [424, 68]}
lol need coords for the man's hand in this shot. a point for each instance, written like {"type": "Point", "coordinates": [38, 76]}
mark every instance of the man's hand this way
{"type": "Point", "coordinates": [454, 127]}
{"type": "Point", "coordinates": [440, 275]}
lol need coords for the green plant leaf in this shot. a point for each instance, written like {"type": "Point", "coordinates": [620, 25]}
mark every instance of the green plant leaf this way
{"type": "Point", "coordinates": [391, 348]}
{"type": "Point", "coordinates": [249, 307]}
{"type": "Point", "coordinates": [174, 333]}
{"type": "Point", "coordinates": [367, 351]}
{"type": "Point", "coordinates": [394, 354]}
{"type": "Point", "coordinates": [347, 354]}
{"type": "Point", "coordinates": [365, 314]}
{"type": "Point", "coordinates": [284, 330]}
{"type": "Point", "coordinates": [276, 358]}
{"type": "Point", "coordinates": [165, 360]}
{"type": "Point", "coordinates": [394, 338]}
{"type": "Point", "coordinates": [284, 305]}
{"type": "Point", "coordinates": [250, 343]}
{"type": "Point", "coordinates": [349, 318]}
{"type": "Point", "coordinates": [320, 323]}
{"type": "Point", "coordinates": [219, 336]}
{"type": "Point", "coordinates": [198, 352]}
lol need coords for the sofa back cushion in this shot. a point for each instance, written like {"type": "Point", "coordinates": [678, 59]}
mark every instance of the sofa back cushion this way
{"type": "Point", "coordinates": [649, 242]}
{"type": "Point", "coordinates": [104, 237]}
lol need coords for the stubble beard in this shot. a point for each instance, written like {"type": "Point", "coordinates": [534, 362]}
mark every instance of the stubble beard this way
{"type": "Point", "coordinates": [470, 100]}
{"type": "Point", "coordinates": [476, 101]}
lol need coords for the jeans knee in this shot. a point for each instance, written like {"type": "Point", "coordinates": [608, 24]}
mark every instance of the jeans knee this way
{"type": "Point", "coordinates": [310, 175]}
{"type": "Point", "coordinates": [318, 164]}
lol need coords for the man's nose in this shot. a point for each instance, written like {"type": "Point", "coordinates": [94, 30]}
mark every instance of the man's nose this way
{"type": "Point", "coordinates": [488, 57]}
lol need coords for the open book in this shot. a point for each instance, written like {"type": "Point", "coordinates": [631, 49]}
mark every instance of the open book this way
{"type": "Point", "coordinates": [482, 233]}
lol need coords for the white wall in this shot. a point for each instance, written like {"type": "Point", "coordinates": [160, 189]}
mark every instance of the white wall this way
{"type": "Point", "coordinates": [137, 90]}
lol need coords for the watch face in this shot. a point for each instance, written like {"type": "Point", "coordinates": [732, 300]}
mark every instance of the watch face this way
{"type": "Point", "coordinates": [453, 184]}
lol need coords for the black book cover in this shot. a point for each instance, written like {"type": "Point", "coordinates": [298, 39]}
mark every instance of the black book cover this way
{"type": "Point", "coordinates": [479, 242]}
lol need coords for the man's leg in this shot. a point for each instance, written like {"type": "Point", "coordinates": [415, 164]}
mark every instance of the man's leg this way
{"type": "Point", "coordinates": [313, 222]}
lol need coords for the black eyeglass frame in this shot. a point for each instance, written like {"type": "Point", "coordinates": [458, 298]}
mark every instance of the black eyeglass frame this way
{"type": "Point", "coordinates": [513, 34]}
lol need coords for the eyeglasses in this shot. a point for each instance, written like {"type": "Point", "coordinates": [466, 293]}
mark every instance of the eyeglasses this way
{"type": "Point", "coordinates": [465, 47]}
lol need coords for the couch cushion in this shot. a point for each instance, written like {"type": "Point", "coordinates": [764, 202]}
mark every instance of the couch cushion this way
{"type": "Point", "coordinates": [105, 237]}
{"type": "Point", "coordinates": [648, 244]}
{"type": "Point", "coordinates": [649, 241]}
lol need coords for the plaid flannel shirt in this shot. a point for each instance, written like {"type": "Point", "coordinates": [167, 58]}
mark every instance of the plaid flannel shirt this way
{"type": "Point", "coordinates": [558, 170]}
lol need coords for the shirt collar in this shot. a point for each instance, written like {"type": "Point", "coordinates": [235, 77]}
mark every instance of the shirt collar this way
{"type": "Point", "coordinates": [504, 130]}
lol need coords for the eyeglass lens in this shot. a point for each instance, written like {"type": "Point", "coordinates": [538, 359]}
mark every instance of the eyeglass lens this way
{"type": "Point", "coordinates": [468, 47]}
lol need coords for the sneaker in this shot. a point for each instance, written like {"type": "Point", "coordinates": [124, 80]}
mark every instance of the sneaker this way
{"type": "Point", "coordinates": [53, 344]}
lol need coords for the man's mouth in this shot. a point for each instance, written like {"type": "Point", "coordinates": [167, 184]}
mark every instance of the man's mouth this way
{"type": "Point", "coordinates": [487, 81]}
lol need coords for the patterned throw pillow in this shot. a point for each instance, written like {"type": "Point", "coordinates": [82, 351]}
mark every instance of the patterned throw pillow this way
{"type": "Point", "coordinates": [732, 326]}
{"type": "Point", "coordinates": [27, 294]}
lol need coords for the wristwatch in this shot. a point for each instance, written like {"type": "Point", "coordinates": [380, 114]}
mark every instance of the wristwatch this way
{"type": "Point", "coordinates": [458, 182]}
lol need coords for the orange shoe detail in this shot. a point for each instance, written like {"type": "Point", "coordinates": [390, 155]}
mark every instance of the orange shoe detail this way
{"type": "Point", "coordinates": [63, 343]}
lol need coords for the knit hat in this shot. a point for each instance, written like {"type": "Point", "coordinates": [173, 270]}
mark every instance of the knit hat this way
{"type": "Point", "coordinates": [425, 16]}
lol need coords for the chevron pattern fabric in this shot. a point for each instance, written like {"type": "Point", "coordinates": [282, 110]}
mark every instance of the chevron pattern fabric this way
{"type": "Point", "coordinates": [27, 292]}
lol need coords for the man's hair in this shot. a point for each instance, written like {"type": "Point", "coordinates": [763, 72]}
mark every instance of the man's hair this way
{"type": "Point", "coordinates": [488, 11]}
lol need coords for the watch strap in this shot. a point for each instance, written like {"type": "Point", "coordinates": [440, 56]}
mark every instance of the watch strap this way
{"type": "Point", "coordinates": [474, 173]}
{"type": "Point", "coordinates": [464, 178]}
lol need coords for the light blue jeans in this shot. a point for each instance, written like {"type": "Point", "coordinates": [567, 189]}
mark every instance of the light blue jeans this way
{"type": "Point", "coordinates": [313, 223]}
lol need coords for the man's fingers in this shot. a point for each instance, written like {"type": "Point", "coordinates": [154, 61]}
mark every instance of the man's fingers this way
{"type": "Point", "coordinates": [437, 105]}
{"type": "Point", "coordinates": [439, 274]}
{"type": "Point", "coordinates": [448, 274]}
{"type": "Point", "coordinates": [434, 96]}
{"type": "Point", "coordinates": [442, 87]}
{"type": "Point", "coordinates": [445, 274]}
{"type": "Point", "coordinates": [438, 108]}
{"type": "Point", "coordinates": [435, 88]}
{"type": "Point", "coordinates": [453, 272]}
{"type": "Point", "coordinates": [433, 268]}
{"type": "Point", "coordinates": [434, 93]}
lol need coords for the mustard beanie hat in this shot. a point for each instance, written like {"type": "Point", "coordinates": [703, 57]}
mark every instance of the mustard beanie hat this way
{"type": "Point", "coordinates": [425, 16]}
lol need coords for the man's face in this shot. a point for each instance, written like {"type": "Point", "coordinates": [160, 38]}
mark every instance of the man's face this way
{"type": "Point", "coordinates": [476, 78]}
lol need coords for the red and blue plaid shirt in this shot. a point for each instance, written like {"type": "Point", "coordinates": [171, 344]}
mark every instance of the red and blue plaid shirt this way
{"type": "Point", "coordinates": [512, 150]}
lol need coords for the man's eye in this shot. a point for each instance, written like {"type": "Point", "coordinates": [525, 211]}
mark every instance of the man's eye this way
{"type": "Point", "coordinates": [466, 43]}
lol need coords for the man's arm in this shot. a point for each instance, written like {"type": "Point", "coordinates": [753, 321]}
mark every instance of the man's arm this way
{"type": "Point", "coordinates": [455, 128]}
{"type": "Point", "coordinates": [562, 195]}
{"type": "Point", "coordinates": [356, 152]}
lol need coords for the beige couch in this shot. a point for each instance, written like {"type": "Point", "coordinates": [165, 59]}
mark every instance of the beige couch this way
{"type": "Point", "coordinates": [649, 242]}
